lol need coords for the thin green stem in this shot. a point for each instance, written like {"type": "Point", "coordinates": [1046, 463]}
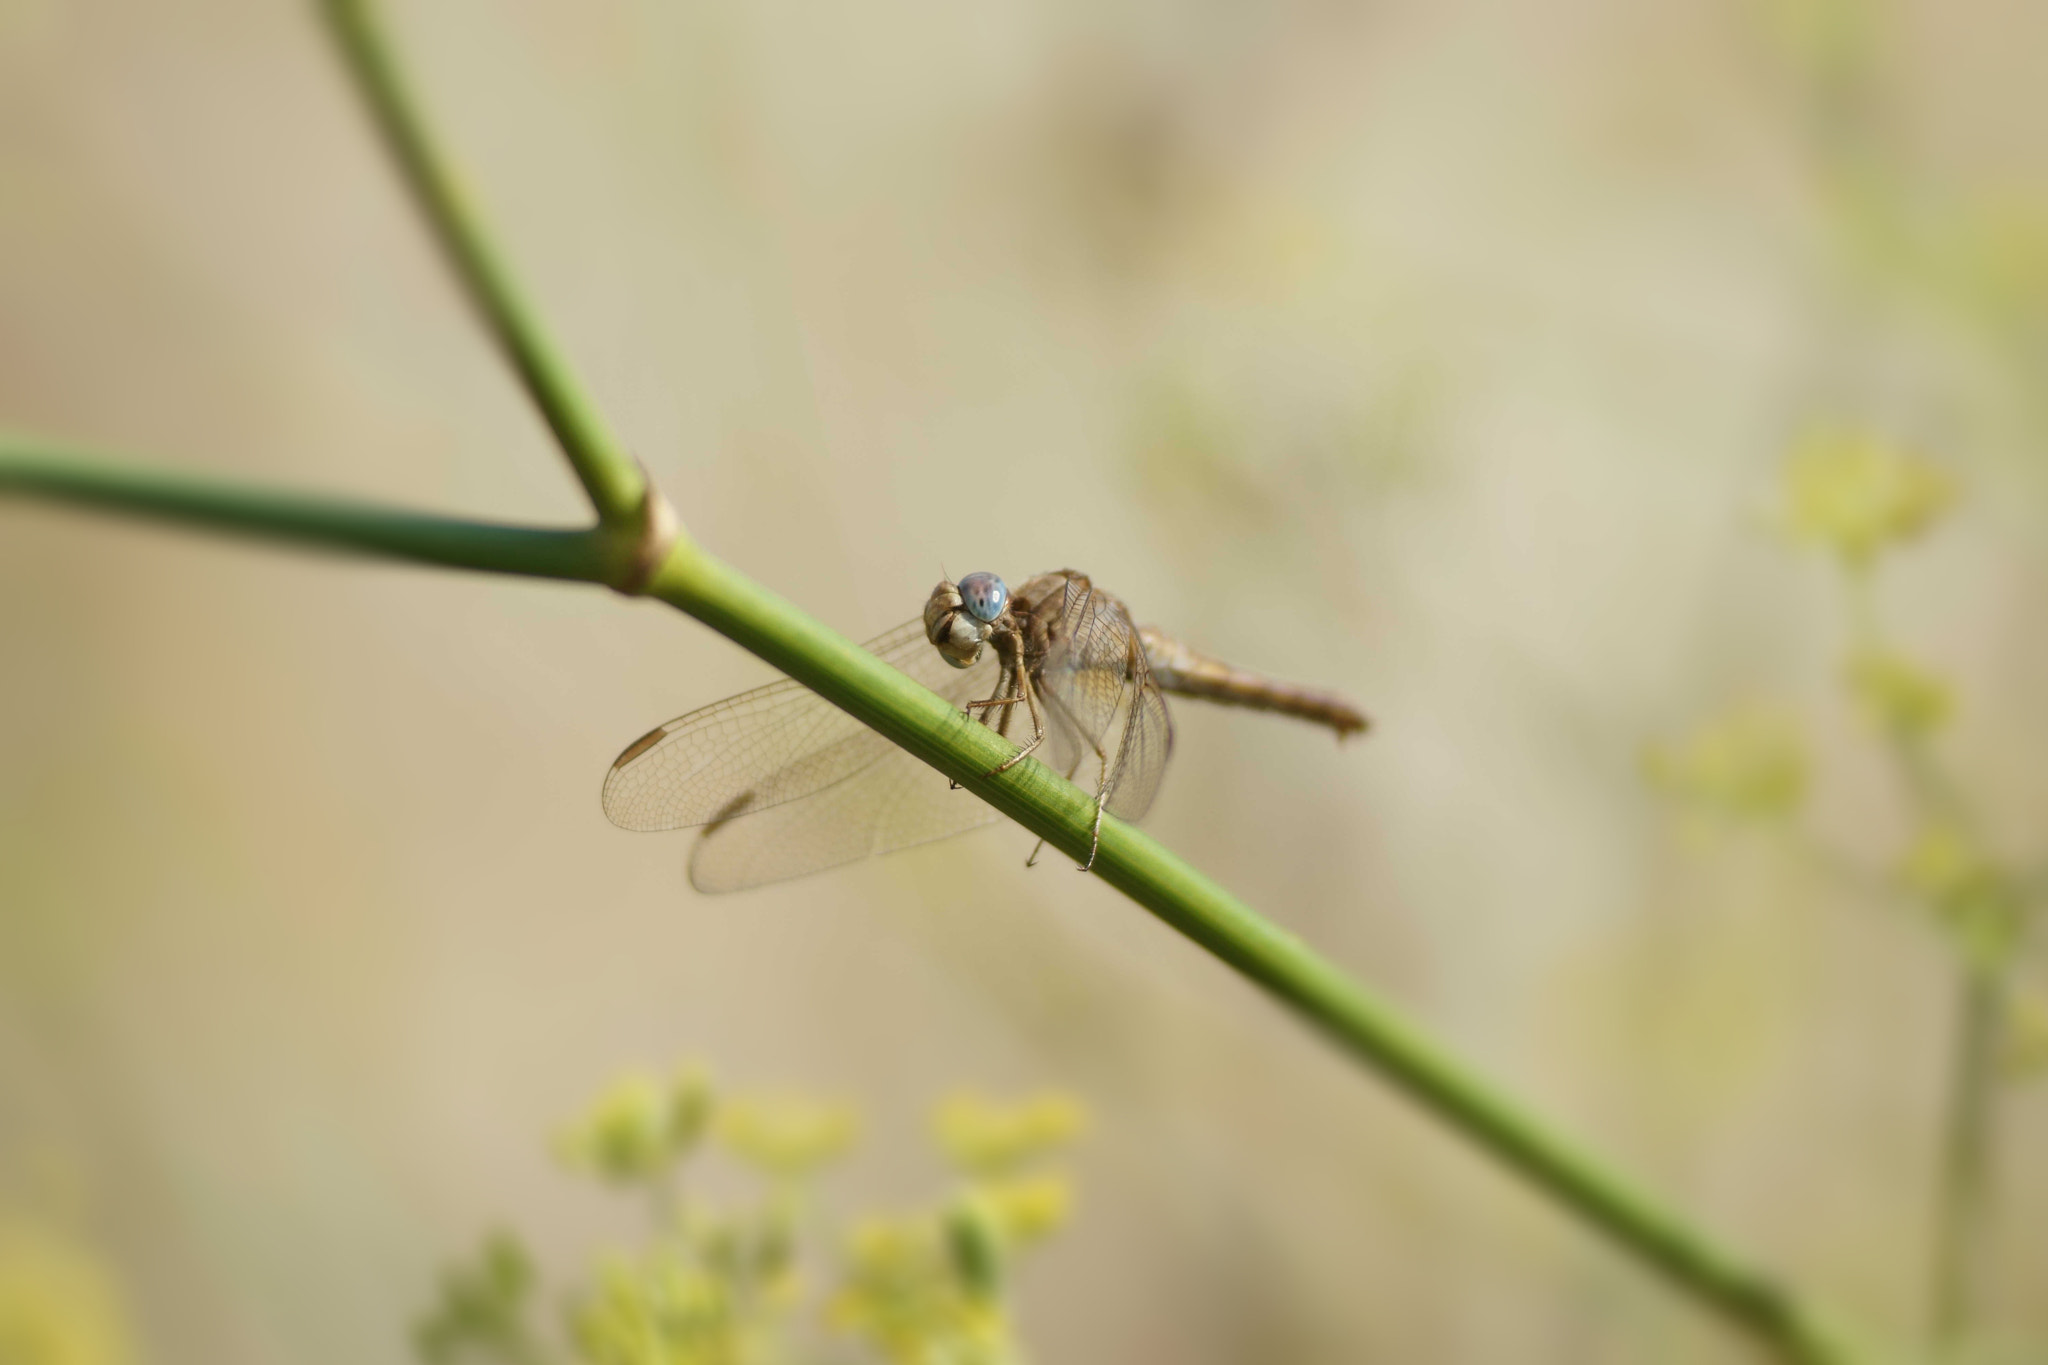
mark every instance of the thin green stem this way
{"type": "Point", "coordinates": [1859, 600]}
{"type": "Point", "coordinates": [41, 470]}
{"type": "Point", "coordinates": [1967, 1175]}
{"type": "Point", "coordinates": [1357, 1022]}
{"type": "Point", "coordinates": [1361, 1025]}
{"type": "Point", "coordinates": [1962, 1221]}
{"type": "Point", "coordinates": [611, 477]}
{"type": "Point", "coordinates": [621, 551]}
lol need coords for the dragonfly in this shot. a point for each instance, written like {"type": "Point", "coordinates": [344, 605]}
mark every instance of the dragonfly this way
{"type": "Point", "coordinates": [786, 784]}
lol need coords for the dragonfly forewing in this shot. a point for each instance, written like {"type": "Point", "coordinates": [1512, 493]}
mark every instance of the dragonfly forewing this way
{"type": "Point", "coordinates": [894, 802]}
{"type": "Point", "coordinates": [777, 745]}
{"type": "Point", "coordinates": [1146, 744]}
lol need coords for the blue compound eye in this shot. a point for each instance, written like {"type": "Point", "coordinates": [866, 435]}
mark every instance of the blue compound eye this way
{"type": "Point", "coordinates": [984, 595]}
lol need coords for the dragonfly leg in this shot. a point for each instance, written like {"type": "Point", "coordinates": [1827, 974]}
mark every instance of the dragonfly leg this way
{"type": "Point", "coordinates": [1007, 704]}
{"type": "Point", "coordinates": [1095, 834]}
{"type": "Point", "coordinates": [1037, 725]}
{"type": "Point", "coordinates": [1012, 694]}
{"type": "Point", "coordinates": [1110, 772]}
{"type": "Point", "coordinates": [1026, 694]}
{"type": "Point", "coordinates": [1094, 842]}
{"type": "Point", "coordinates": [1072, 768]}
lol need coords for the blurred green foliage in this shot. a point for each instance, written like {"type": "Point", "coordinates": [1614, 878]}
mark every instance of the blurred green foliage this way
{"type": "Point", "coordinates": [1747, 763]}
{"type": "Point", "coordinates": [726, 1285]}
{"type": "Point", "coordinates": [57, 1302]}
{"type": "Point", "coordinates": [1897, 696]}
{"type": "Point", "coordinates": [1854, 494]}
{"type": "Point", "coordinates": [640, 1127]}
{"type": "Point", "coordinates": [2027, 1044]}
{"type": "Point", "coordinates": [1970, 894]}
{"type": "Point", "coordinates": [1856, 497]}
{"type": "Point", "coordinates": [786, 1137]}
{"type": "Point", "coordinates": [986, 1139]}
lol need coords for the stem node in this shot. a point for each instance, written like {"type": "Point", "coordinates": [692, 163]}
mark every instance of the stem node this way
{"type": "Point", "coordinates": [653, 533]}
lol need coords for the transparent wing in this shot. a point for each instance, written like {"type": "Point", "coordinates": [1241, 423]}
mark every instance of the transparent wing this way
{"type": "Point", "coordinates": [1145, 746]}
{"type": "Point", "coordinates": [894, 802]}
{"type": "Point", "coordinates": [1088, 665]}
{"type": "Point", "coordinates": [1100, 690]}
{"type": "Point", "coordinates": [773, 745]}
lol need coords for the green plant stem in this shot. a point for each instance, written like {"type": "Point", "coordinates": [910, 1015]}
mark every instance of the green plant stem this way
{"type": "Point", "coordinates": [689, 578]}
{"type": "Point", "coordinates": [1964, 1204]}
{"type": "Point", "coordinates": [39, 470]}
{"type": "Point", "coordinates": [1963, 1184]}
{"type": "Point", "coordinates": [612, 478]}
{"type": "Point", "coordinates": [1967, 1175]}
{"type": "Point", "coordinates": [1361, 1025]}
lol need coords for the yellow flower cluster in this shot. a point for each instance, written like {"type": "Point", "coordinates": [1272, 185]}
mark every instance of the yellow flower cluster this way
{"type": "Point", "coordinates": [482, 1307]}
{"type": "Point", "coordinates": [1026, 1209]}
{"type": "Point", "coordinates": [787, 1136]}
{"type": "Point", "coordinates": [641, 1126]}
{"type": "Point", "coordinates": [1946, 866]}
{"type": "Point", "coordinates": [1746, 764]}
{"type": "Point", "coordinates": [904, 1294]}
{"type": "Point", "coordinates": [662, 1310]}
{"type": "Point", "coordinates": [1968, 890]}
{"type": "Point", "coordinates": [927, 1288]}
{"type": "Point", "coordinates": [984, 1138]}
{"type": "Point", "coordinates": [719, 1284]}
{"type": "Point", "coordinates": [1897, 696]}
{"type": "Point", "coordinates": [1855, 494]}
{"type": "Point", "coordinates": [57, 1305]}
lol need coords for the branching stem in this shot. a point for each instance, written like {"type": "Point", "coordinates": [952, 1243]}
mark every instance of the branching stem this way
{"type": "Point", "coordinates": [634, 548]}
{"type": "Point", "coordinates": [1962, 1224]}
{"type": "Point", "coordinates": [1360, 1024]}
{"type": "Point", "coordinates": [611, 477]}
{"type": "Point", "coordinates": [42, 470]}
{"type": "Point", "coordinates": [1967, 1176]}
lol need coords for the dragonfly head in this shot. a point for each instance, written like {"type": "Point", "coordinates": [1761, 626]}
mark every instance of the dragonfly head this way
{"type": "Point", "coordinates": [958, 617]}
{"type": "Point", "coordinates": [984, 595]}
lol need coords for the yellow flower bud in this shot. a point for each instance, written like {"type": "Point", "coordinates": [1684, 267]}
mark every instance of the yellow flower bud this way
{"type": "Point", "coordinates": [640, 1126]}
{"type": "Point", "coordinates": [1029, 1209]}
{"type": "Point", "coordinates": [1899, 697]}
{"type": "Point", "coordinates": [1746, 764]}
{"type": "Point", "coordinates": [1966, 888]}
{"type": "Point", "coordinates": [656, 1310]}
{"type": "Point", "coordinates": [977, 1242]}
{"type": "Point", "coordinates": [985, 1137]}
{"type": "Point", "coordinates": [1944, 866]}
{"type": "Point", "coordinates": [788, 1136]}
{"type": "Point", "coordinates": [57, 1305]}
{"type": "Point", "coordinates": [1852, 493]}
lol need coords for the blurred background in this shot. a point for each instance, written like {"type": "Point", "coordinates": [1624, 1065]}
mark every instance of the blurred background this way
{"type": "Point", "coordinates": [1448, 355]}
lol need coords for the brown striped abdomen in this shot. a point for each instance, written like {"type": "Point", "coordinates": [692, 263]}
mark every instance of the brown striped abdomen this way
{"type": "Point", "coordinates": [1190, 673]}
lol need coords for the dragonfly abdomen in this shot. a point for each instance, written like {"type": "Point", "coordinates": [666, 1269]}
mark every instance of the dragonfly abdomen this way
{"type": "Point", "coordinates": [1190, 673]}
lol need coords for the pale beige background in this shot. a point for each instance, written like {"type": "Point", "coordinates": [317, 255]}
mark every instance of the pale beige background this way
{"type": "Point", "coordinates": [1443, 353]}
